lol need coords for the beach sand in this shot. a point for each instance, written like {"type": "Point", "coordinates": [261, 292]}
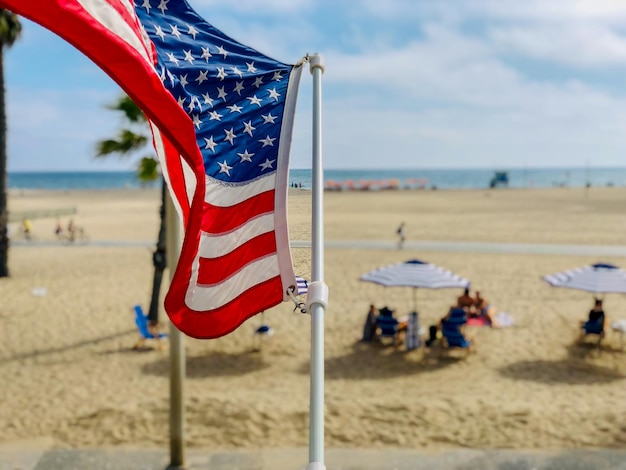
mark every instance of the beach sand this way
{"type": "Point", "coordinates": [69, 373]}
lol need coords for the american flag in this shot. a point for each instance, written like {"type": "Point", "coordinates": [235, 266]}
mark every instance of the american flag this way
{"type": "Point", "coordinates": [221, 115]}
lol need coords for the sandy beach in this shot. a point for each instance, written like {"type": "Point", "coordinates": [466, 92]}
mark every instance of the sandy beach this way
{"type": "Point", "coordinates": [69, 372]}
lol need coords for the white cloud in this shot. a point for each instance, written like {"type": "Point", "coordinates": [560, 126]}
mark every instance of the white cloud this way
{"type": "Point", "coordinates": [578, 45]}
{"type": "Point", "coordinates": [445, 67]}
{"type": "Point", "coordinates": [460, 137]}
{"type": "Point", "coordinates": [613, 11]}
{"type": "Point", "coordinates": [449, 100]}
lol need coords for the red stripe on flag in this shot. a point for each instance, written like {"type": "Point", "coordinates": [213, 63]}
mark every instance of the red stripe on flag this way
{"type": "Point", "coordinates": [224, 219]}
{"type": "Point", "coordinates": [214, 270]}
{"type": "Point", "coordinates": [221, 321]}
{"type": "Point", "coordinates": [176, 177]}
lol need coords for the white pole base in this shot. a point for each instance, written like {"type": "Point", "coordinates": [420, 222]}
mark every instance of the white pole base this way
{"type": "Point", "coordinates": [316, 466]}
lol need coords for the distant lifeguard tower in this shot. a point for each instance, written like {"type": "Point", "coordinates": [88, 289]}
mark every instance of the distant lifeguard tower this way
{"type": "Point", "coordinates": [500, 178]}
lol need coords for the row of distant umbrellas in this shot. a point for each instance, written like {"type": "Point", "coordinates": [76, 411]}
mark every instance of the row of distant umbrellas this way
{"type": "Point", "coordinates": [598, 278]}
{"type": "Point", "coordinates": [376, 184]}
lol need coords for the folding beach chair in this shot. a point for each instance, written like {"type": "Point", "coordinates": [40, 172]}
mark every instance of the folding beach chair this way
{"type": "Point", "coordinates": [387, 325]}
{"type": "Point", "coordinates": [595, 328]}
{"type": "Point", "coordinates": [141, 320]}
{"type": "Point", "coordinates": [451, 332]}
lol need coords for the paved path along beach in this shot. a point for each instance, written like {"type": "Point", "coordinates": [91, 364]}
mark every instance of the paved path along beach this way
{"type": "Point", "coordinates": [34, 455]}
{"type": "Point", "coordinates": [444, 246]}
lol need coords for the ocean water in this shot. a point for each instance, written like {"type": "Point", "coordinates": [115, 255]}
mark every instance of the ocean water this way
{"type": "Point", "coordinates": [75, 180]}
{"type": "Point", "coordinates": [441, 179]}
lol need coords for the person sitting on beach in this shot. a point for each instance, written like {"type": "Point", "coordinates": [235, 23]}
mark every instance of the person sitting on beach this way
{"type": "Point", "coordinates": [369, 327]}
{"type": "Point", "coordinates": [596, 317]}
{"type": "Point", "coordinates": [465, 300]}
{"type": "Point", "coordinates": [484, 310]}
{"type": "Point", "coordinates": [386, 321]}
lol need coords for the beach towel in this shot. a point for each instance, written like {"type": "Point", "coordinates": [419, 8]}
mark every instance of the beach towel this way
{"type": "Point", "coordinates": [477, 321]}
{"type": "Point", "coordinates": [504, 320]}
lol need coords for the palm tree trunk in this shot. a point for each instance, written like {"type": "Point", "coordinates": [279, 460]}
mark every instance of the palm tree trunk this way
{"type": "Point", "coordinates": [159, 261]}
{"type": "Point", "coordinates": [4, 216]}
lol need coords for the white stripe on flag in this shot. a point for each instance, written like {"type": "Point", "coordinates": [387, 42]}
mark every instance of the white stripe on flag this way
{"type": "Point", "coordinates": [214, 246]}
{"type": "Point", "coordinates": [108, 17]}
{"type": "Point", "coordinates": [202, 298]}
{"type": "Point", "coordinates": [229, 195]}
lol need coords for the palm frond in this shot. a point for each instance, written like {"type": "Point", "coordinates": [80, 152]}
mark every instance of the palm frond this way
{"type": "Point", "coordinates": [147, 169]}
{"type": "Point", "coordinates": [131, 111]}
{"type": "Point", "coordinates": [126, 143]}
{"type": "Point", "coordinates": [10, 28]}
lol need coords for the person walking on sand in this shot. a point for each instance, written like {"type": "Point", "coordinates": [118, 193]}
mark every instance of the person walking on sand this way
{"type": "Point", "coordinates": [58, 231]}
{"type": "Point", "coordinates": [71, 230]}
{"type": "Point", "coordinates": [27, 227]}
{"type": "Point", "coordinates": [400, 233]}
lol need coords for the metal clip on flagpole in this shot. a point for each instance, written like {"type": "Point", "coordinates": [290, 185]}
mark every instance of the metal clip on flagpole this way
{"type": "Point", "coordinates": [297, 305]}
{"type": "Point", "coordinates": [317, 296]}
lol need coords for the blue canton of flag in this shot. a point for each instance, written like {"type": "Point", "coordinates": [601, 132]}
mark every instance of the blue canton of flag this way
{"type": "Point", "coordinates": [235, 102]}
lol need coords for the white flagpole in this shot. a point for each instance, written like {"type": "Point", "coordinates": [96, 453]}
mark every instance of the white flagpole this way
{"type": "Point", "coordinates": [177, 348]}
{"type": "Point", "coordinates": [317, 297]}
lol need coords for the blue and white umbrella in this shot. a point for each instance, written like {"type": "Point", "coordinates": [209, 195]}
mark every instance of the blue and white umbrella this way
{"type": "Point", "coordinates": [599, 278]}
{"type": "Point", "coordinates": [417, 274]}
{"type": "Point", "coordinates": [303, 285]}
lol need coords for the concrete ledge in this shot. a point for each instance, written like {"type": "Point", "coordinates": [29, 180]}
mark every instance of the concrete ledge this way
{"type": "Point", "coordinates": [38, 455]}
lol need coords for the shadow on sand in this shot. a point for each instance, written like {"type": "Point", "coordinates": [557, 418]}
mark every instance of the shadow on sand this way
{"type": "Point", "coordinates": [375, 361]}
{"type": "Point", "coordinates": [45, 353]}
{"type": "Point", "coordinates": [214, 364]}
{"type": "Point", "coordinates": [576, 369]}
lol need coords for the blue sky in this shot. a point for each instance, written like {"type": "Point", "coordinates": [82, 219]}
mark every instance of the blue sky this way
{"type": "Point", "coordinates": [408, 84]}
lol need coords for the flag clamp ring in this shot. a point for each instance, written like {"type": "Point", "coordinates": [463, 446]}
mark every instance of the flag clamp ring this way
{"type": "Point", "coordinates": [298, 305]}
{"type": "Point", "coordinates": [317, 294]}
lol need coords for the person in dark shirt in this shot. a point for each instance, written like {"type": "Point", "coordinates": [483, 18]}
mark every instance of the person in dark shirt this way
{"type": "Point", "coordinates": [596, 314]}
{"type": "Point", "coordinates": [596, 318]}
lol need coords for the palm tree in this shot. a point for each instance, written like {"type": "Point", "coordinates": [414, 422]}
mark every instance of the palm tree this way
{"type": "Point", "coordinates": [127, 142]}
{"type": "Point", "coordinates": [10, 30]}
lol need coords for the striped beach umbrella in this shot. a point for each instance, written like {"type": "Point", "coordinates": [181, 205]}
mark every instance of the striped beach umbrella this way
{"type": "Point", "coordinates": [303, 285]}
{"type": "Point", "coordinates": [599, 278]}
{"type": "Point", "coordinates": [417, 274]}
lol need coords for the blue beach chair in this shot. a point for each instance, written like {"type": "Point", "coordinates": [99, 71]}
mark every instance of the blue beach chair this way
{"type": "Point", "coordinates": [451, 330]}
{"type": "Point", "coordinates": [595, 328]}
{"type": "Point", "coordinates": [141, 320]}
{"type": "Point", "coordinates": [387, 325]}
